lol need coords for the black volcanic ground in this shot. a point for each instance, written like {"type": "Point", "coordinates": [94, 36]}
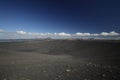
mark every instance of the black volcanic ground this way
{"type": "Point", "coordinates": [60, 60]}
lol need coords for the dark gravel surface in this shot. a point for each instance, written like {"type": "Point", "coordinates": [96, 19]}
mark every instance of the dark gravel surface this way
{"type": "Point", "coordinates": [60, 60]}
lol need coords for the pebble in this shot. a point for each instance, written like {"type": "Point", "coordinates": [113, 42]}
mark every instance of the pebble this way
{"type": "Point", "coordinates": [58, 76]}
{"type": "Point", "coordinates": [44, 71]}
{"type": "Point", "coordinates": [12, 62]}
{"type": "Point", "coordinates": [85, 79]}
{"type": "Point", "coordinates": [4, 79]}
{"type": "Point", "coordinates": [103, 75]}
{"type": "Point", "coordinates": [68, 70]}
{"type": "Point", "coordinates": [110, 70]}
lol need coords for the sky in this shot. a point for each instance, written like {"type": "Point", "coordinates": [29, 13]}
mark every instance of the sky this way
{"type": "Point", "coordinates": [59, 16]}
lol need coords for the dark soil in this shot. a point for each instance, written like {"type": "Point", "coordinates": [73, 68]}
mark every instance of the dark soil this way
{"type": "Point", "coordinates": [60, 60]}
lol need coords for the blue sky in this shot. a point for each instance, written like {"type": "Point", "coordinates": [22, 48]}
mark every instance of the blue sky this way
{"type": "Point", "coordinates": [69, 16]}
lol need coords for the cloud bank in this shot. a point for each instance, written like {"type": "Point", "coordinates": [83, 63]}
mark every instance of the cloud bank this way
{"type": "Point", "coordinates": [112, 33]}
{"type": "Point", "coordinates": [62, 35]}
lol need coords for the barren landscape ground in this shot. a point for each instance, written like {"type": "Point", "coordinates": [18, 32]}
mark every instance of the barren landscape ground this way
{"type": "Point", "coordinates": [60, 60]}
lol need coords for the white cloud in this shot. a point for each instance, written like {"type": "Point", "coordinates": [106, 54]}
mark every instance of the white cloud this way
{"type": "Point", "coordinates": [112, 33]}
{"type": "Point", "coordinates": [104, 33]}
{"type": "Point", "coordinates": [62, 34]}
{"type": "Point", "coordinates": [83, 34]}
{"type": "Point", "coordinates": [41, 34]}
{"type": "Point", "coordinates": [95, 34]}
{"type": "Point", "coordinates": [21, 32]}
{"type": "Point", "coordinates": [79, 34]}
{"type": "Point", "coordinates": [33, 33]}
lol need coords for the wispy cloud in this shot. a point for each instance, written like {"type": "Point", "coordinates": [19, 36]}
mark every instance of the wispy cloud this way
{"type": "Point", "coordinates": [1, 30]}
{"type": "Point", "coordinates": [30, 35]}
